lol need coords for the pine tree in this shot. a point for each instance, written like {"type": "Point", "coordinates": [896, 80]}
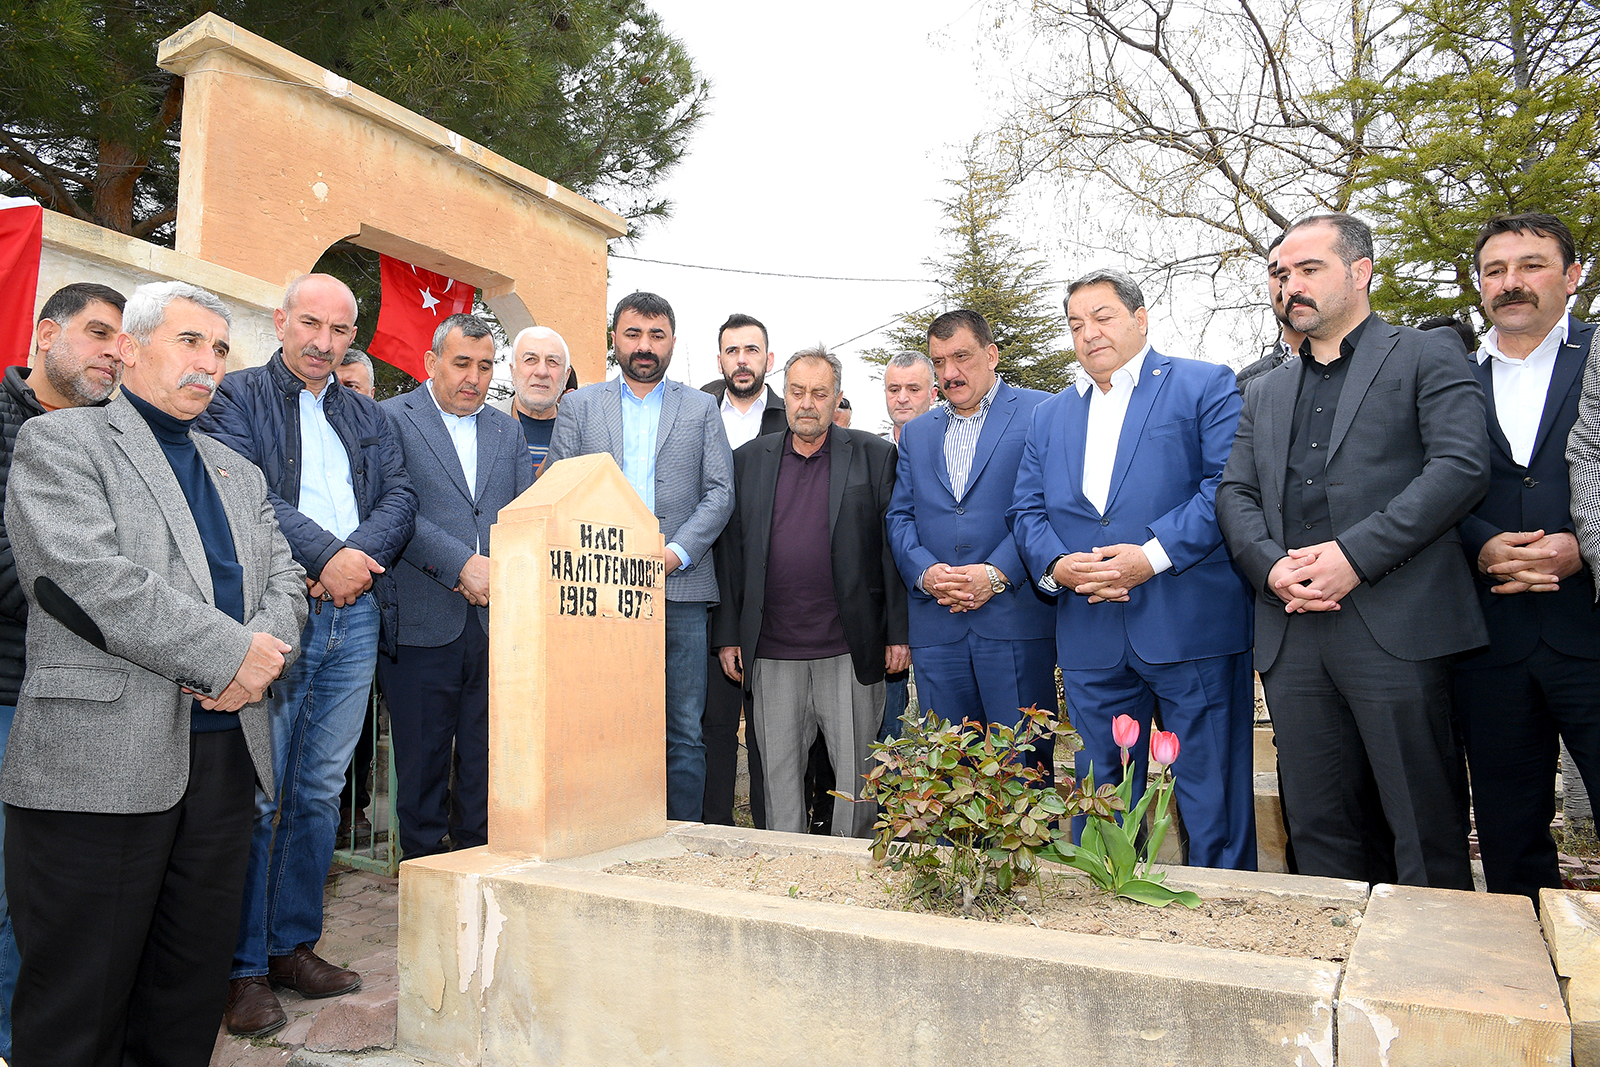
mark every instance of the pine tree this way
{"type": "Point", "coordinates": [991, 271]}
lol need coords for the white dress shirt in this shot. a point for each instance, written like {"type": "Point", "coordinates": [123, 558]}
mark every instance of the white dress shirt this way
{"type": "Point", "coordinates": [1521, 386]}
{"type": "Point", "coordinates": [327, 495]}
{"type": "Point", "coordinates": [463, 431]}
{"type": "Point", "coordinates": [742, 426]}
{"type": "Point", "coordinates": [1107, 410]}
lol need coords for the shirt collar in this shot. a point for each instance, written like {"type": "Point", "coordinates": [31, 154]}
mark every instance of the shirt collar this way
{"type": "Point", "coordinates": [629, 394]}
{"type": "Point", "coordinates": [1490, 348]}
{"type": "Point", "coordinates": [759, 406]}
{"type": "Point", "coordinates": [428, 385]}
{"type": "Point", "coordinates": [1347, 346]}
{"type": "Point", "coordinates": [983, 405]}
{"type": "Point", "coordinates": [1128, 373]}
{"type": "Point", "coordinates": [822, 450]}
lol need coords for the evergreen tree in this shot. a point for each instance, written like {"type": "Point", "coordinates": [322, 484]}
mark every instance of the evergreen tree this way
{"type": "Point", "coordinates": [593, 94]}
{"type": "Point", "coordinates": [992, 272]}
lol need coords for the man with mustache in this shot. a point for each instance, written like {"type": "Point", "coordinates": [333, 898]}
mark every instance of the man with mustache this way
{"type": "Point", "coordinates": [162, 602]}
{"type": "Point", "coordinates": [1538, 681]}
{"type": "Point", "coordinates": [466, 462]}
{"type": "Point", "coordinates": [813, 612]}
{"type": "Point", "coordinates": [337, 481]}
{"type": "Point", "coordinates": [75, 364]}
{"type": "Point", "coordinates": [1351, 468]}
{"type": "Point", "coordinates": [749, 408]}
{"type": "Point", "coordinates": [669, 441]}
{"type": "Point", "coordinates": [1288, 339]}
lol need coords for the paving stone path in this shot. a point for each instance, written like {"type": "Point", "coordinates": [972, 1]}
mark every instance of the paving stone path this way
{"type": "Point", "coordinates": [359, 931]}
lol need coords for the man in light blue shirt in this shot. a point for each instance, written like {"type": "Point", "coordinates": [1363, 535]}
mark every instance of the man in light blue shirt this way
{"type": "Point", "coordinates": [669, 441]}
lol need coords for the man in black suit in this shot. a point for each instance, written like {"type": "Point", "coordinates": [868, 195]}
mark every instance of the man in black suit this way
{"type": "Point", "coordinates": [813, 607]}
{"type": "Point", "coordinates": [1541, 674]}
{"type": "Point", "coordinates": [1352, 465]}
{"type": "Point", "coordinates": [749, 408]}
{"type": "Point", "coordinates": [1287, 343]}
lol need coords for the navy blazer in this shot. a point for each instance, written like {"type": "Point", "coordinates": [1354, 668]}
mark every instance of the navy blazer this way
{"type": "Point", "coordinates": [452, 522]}
{"type": "Point", "coordinates": [928, 525]}
{"type": "Point", "coordinates": [1535, 497]}
{"type": "Point", "coordinates": [1175, 442]}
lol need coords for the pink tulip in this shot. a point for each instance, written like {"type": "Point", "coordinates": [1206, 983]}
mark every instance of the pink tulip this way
{"type": "Point", "coordinates": [1124, 731]}
{"type": "Point", "coordinates": [1163, 747]}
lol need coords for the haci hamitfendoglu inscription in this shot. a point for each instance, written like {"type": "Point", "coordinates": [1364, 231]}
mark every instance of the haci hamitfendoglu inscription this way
{"type": "Point", "coordinates": [599, 579]}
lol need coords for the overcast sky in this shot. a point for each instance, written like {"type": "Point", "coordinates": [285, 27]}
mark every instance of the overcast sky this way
{"type": "Point", "coordinates": [831, 129]}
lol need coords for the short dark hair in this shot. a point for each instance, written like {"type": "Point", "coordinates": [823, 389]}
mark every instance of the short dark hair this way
{"type": "Point", "coordinates": [1354, 240]}
{"type": "Point", "coordinates": [844, 402]}
{"type": "Point", "coordinates": [1536, 222]}
{"type": "Point", "coordinates": [649, 305]}
{"type": "Point", "coordinates": [1276, 241]}
{"type": "Point", "coordinates": [470, 326]}
{"type": "Point", "coordinates": [945, 326]}
{"type": "Point", "coordinates": [1463, 330]}
{"type": "Point", "coordinates": [738, 321]}
{"type": "Point", "coordinates": [572, 377]}
{"type": "Point", "coordinates": [68, 300]}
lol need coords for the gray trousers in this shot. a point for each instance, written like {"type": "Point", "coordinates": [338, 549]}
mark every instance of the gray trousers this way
{"type": "Point", "coordinates": [793, 699]}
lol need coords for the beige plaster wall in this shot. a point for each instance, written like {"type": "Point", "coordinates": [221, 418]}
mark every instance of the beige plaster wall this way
{"type": "Point", "coordinates": [282, 158]}
{"type": "Point", "coordinates": [77, 251]}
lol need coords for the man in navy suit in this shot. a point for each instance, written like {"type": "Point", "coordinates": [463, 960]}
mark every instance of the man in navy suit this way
{"type": "Point", "coordinates": [467, 461]}
{"type": "Point", "coordinates": [1540, 676]}
{"type": "Point", "coordinates": [1114, 513]}
{"type": "Point", "coordinates": [980, 631]}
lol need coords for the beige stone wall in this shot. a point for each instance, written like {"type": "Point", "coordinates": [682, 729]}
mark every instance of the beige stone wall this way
{"type": "Point", "coordinates": [282, 158]}
{"type": "Point", "coordinates": [77, 251]}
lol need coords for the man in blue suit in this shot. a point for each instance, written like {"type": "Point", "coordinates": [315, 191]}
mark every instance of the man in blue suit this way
{"type": "Point", "coordinates": [1540, 677]}
{"type": "Point", "coordinates": [1114, 513]}
{"type": "Point", "coordinates": [980, 631]}
{"type": "Point", "coordinates": [466, 461]}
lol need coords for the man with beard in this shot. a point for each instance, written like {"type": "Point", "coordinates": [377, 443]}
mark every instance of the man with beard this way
{"type": "Point", "coordinates": [1350, 470]}
{"type": "Point", "coordinates": [75, 345]}
{"type": "Point", "coordinates": [1288, 341]}
{"type": "Point", "coordinates": [749, 408]}
{"type": "Point", "coordinates": [539, 365]}
{"type": "Point", "coordinates": [336, 477]}
{"type": "Point", "coordinates": [670, 444]}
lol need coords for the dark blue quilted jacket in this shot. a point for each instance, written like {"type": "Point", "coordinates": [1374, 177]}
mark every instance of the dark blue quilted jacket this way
{"type": "Point", "coordinates": [17, 406]}
{"type": "Point", "coordinates": [256, 412]}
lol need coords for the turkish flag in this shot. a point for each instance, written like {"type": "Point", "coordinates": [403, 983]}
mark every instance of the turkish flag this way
{"type": "Point", "coordinates": [21, 243]}
{"type": "Point", "coordinates": [415, 302]}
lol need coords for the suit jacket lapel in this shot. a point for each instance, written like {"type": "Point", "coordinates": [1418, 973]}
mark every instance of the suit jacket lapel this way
{"type": "Point", "coordinates": [424, 415]}
{"type": "Point", "coordinates": [1484, 372]}
{"type": "Point", "coordinates": [671, 401]}
{"type": "Point", "coordinates": [839, 447]}
{"type": "Point", "coordinates": [1001, 410]}
{"type": "Point", "coordinates": [1568, 370]}
{"type": "Point", "coordinates": [489, 442]}
{"type": "Point", "coordinates": [1274, 420]}
{"type": "Point", "coordinates": [1152, 377]}
{"type": "Point", "coordinates": [139, 444]}
{"type": "Point", "coordinates": [1075, 437]}
{"type": "Point", "coordinates": [1377, 341]}
{"type": "Point", "coordinates": [941, 419]}
{"type": "Point", "coordinates": [611, 415]}
{"type": "Point", "coordinates": [764, 486]}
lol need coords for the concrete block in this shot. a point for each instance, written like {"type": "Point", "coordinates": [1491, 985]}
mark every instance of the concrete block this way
{"type": "Point", "coordinates": [1266, 753]}
{"type": "Point", "coordinates": [1272, 837]}
{"type": "Point", "coordinates": [1439, 976]}
{"type": "Point", "coordinates": [1571, 924]}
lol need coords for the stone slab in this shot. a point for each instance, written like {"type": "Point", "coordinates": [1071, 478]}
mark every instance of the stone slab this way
{"type": "Point", "coordinates": [1265, 751]}
{"type": "Point", "coordinates": [1571, 924]}
{"type": "Point", "coordinates": [1439, 976]}
{"type": "Point", "coordinates": [573, 967]}
{"type": "Point", "coordinates": [1272, 838]}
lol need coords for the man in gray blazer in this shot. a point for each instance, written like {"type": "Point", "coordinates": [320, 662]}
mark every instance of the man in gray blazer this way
{"type": "Point", "coordinates": [466, 461]}
{"type": "Point", "coordinates": [668, 439]}
{"type": "Point", "coordinates": [162, 602]}
{"type": "Point", "coordinates": [1353, 463]}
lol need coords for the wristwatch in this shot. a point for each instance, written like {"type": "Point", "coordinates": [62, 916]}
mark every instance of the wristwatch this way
{"type": "Point", "coordinates": [996, 583]}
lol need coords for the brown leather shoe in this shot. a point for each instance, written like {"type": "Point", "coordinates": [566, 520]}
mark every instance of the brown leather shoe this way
{"type": "Point", "coordinates": [253, 1009]}
{"type": "Point", "coordinates": [310, 975]}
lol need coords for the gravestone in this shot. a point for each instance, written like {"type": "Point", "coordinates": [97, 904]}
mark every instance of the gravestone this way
{"type": "Point", "coordinates": [577, 662]}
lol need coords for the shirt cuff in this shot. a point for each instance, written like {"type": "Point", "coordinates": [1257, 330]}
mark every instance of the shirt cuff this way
{"type": "Point", "coordinates": [1159, 560]}
{"type": "Point", "coordinates": [678, 551]}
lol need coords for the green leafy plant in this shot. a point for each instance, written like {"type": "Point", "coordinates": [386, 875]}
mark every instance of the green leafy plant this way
{"type": "Point", "coordinates": [962, 809]}
{"type": "Point", "coordinates": [1108, 851]}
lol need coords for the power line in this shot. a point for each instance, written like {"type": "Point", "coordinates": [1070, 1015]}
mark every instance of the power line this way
{"type": "Point", "coordinates": [768, 273]}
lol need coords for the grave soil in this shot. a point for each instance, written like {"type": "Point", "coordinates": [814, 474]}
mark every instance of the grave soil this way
{"type": "Point", "coordinates": [1294, 928]}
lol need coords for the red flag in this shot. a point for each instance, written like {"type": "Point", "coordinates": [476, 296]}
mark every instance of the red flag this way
{"type": "Point", "coordinates": [21, 243]}
{"type": "Point", "coordinates": [415, 302]}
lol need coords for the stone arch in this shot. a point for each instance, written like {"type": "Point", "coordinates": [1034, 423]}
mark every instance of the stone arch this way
{"type": "Point", "coordinates": [282, 158]}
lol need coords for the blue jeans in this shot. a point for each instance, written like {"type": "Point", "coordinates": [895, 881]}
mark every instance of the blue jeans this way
{"type": "Point", "coordinates": [318, 709]}
{"type": "Point", "coordinates": [9, 960]}
{"type": "Point", "coordinates": [687, 649]}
